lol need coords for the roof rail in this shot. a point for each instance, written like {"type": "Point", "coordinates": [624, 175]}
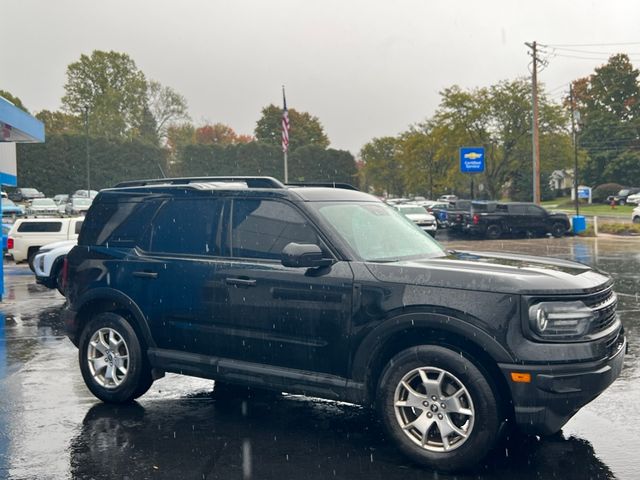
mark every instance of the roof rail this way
{"type": "Point", "coordinates": [345, 186]}
{"type": "Point", "coordinates": [252, 182]}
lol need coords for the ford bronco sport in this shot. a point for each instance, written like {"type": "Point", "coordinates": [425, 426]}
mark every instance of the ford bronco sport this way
{"type": "Point", "coordinates": [329, 292]}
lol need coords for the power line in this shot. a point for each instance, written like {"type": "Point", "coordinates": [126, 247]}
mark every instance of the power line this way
{"type": "Point", "coordinates": [588, 44]}
{"type": "Point", "coordinates": [578, 50]}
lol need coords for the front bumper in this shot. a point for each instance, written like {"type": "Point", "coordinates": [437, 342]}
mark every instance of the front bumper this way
{"type": "Point", "coordinates": [557, 392]}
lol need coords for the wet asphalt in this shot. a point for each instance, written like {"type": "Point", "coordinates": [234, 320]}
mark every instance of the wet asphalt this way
{"type": "Point", "coordinates": [51, 427]}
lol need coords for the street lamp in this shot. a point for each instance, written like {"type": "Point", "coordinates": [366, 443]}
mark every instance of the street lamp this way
{"type": "Point", "coordinates": [86, 137]}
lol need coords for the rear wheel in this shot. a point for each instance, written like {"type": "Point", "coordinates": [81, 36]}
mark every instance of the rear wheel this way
{"type": "Point", "coordinates": [112, 361]}
{"type": "Point", "coordinates": [636, 219]}
{"type": "Point", "coordinates": [494, 231]}
{"type": "Point", "coordinates": [31, 256]}
{"type": "Point", "coordinates": [439, 407]}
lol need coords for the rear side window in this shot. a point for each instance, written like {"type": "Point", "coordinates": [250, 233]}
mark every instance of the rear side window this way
{"type": "Point", "coordinates": [40, 227]}
{"type": "Point", "coordinates": [518, 209]}
{"type": "Point", "coordinates": [116, 223]}
{"type": "Point", "coordinates": [262, 228]}
{"type": "Point", "coordinates": [78, 227]}
{"type": "Point", "coordinates": [188, 227]}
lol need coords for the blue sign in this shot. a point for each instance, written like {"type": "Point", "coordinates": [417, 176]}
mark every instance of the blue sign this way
{"type": "Point", "coordinates": [583, 192]}
{"type": "Point", "coordinates": [472, 159]}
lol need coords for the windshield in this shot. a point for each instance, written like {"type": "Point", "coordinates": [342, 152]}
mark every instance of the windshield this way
{"type": "Point", "coordinates": [408, 210]}
{"type": "Point", "coordinates": [624, 192]}
{"type": "Point", "coordinates": [29, 191]}
{"type": "Point", "coordinates": [81, 202]}
{"type": "Point", "coordinates": [7, 203]}
{"type": "Point", "coordinates": [377, 232]}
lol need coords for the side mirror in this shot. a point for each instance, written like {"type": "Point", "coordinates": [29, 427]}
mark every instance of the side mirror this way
{"type": "Point", "coordinates": [304, 255]}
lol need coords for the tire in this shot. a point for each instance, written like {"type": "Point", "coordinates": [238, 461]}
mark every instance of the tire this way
{"type": "Point", "coordinates": [622, 202]}
{"type": "Point", "coordinates": [31, 257]}
{"type": "Point", "coordinates": [493, 232]}
{"type": "Point", "coordinates": [558, 229]}
{"type": "Point", "coordinates": [636, 220]}
{"type": "Point", "coordinates": [59, 279]}
{"type": "Point", "coordinates": [109, 335]}
{"type": "Point", "coordinates": [472, 430]}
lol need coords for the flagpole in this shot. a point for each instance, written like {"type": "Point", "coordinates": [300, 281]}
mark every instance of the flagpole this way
{"type": "Point", "coordinates": [286, 169]}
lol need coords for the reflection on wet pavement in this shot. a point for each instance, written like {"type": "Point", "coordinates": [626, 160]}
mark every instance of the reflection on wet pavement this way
{"type": "Point", "coordinates": [51, 427]}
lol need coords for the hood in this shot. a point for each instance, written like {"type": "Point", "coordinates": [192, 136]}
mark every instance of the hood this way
{"type": "Point", "coordinates": [494, 272]}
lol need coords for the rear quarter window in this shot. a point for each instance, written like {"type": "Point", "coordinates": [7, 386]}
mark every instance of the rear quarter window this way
{"type": "Point", "coordinates": [116, 223]}
{"type": "Point", "coordinates": [40, 227]}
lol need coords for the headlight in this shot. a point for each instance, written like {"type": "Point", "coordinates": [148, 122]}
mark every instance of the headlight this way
{"type": "Point", "coordinates": [560, 320]}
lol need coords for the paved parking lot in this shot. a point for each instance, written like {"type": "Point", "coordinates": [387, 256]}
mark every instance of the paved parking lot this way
{"type": "Point", "coordinates": [51, 427]}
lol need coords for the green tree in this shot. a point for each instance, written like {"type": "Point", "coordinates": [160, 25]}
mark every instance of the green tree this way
{"type": "Point", "coordinates": [313, 163]}
{"type": "Point", "coordinates": [167, 107]}
{"type": "Point", "coordinates": [58, 122]}
{"type": "Point", "coordinates": [13, 99]}
{"type": "Point", "coordinates": [609, 106]}
{"type": "Point", "coordinates": [113, 89]}
{"type": "Point", "coordinates": [382, 167]}
{"type": "Point", "coordinates": [304, 128]}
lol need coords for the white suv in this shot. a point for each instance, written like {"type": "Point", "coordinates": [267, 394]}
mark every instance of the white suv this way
{"type": "Point", "coordinates": [48, 262]}
{"type": "Point", "coordinates": [28, 234]}
{"type": "Point", "coordinates": [635, 215]}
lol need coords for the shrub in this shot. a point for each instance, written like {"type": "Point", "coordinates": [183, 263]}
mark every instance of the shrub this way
{"type": "Point", "coordinates": [601, 192]}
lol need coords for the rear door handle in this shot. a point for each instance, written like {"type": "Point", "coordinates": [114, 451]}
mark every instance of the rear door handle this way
{"type": "Point", "coordinates": [241, 282]}
{"type": "Point", "coordinates": [145, 274]}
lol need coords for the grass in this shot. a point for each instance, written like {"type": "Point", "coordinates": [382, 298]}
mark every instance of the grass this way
{"type": "Point", "coordinates": [593, 209]}
{"type": "Point", "coordinates": [624, 229]}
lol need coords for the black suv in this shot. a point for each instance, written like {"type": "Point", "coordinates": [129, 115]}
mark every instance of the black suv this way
{"type": "Point", "coordinates": [329, 292]}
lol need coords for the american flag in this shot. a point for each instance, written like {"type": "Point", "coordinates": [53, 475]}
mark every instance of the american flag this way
{"type": "Point", "coordinates": [285, 124]}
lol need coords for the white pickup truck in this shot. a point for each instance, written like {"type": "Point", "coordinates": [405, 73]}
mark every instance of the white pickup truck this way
{"type": "Point", "coordinates": [29, 234]}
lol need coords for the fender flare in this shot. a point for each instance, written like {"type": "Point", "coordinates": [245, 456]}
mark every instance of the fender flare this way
{"type": "Point", "coordinates": [453, 323]}
{"type": "Point", "coordinates": [105, 294]}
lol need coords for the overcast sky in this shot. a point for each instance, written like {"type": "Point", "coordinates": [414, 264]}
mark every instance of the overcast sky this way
{"type": "Point", "coordinates": [365, 68]}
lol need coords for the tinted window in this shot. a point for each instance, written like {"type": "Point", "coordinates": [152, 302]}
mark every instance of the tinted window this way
{"type": "Point", "coordinates": [535, 210]}
{"type": "Point", "coordinates": [78, 227]}
{"type": "Point", "coordinates": [121, 223]}
{"type": "Point", "coordinates": [189, 226]}
{"type": "Point", "coordinates": [518, 209]}
{"type": "Point", "coordinates": [262, 228]}
{"type": "Point", "coordinates": [40, 227]}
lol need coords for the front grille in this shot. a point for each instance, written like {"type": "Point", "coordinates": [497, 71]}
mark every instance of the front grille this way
{"type": "Point", "coordinates": [603, 304]}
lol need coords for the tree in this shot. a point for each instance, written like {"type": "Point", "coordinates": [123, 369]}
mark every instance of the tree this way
{"type": "Point", "coordinates": [58, 122]}
{"type": "Point", "coordinates": [217, 134]}
{"type": "Point", "coordinates": [114, 90]}
{"type": "Point", "coordinates": [305, 129]}
{"type": "Point", "coordinates": [313, 163]}
{"type": "Point", "coordinates": [180, 135]}
{"type": "Point", "coordinates": [167, 107]}
{"type": "Point", "coordinates": [609, 105]}
{"type": "Point", "coordinates": [382, 168]}
{"type": "Point", "coordinates": [13, 99]}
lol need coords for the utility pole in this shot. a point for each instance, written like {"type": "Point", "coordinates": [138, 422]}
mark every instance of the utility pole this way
{"type": "Point", "coordinates": [86, 136]}
{"type": "Point", "coordinates": [534, 127]}
{"type": "Point", "coordinates": [574, 133]}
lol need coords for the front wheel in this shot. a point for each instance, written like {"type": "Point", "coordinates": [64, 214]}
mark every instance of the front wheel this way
{"type": "Point", "coordinates": [439, 408]}
{"type": "Point", "coordinates": [636, 220]}
{"type": "Point", "coordinates": [112, 361]}
{"type": "Point", "coordinates": [558, 229]}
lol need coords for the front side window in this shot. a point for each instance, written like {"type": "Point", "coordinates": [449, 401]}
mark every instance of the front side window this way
{"type": "Point", "coordinates": [376, 232]}
{"type": "Point", "coordinates": [262, 228]}
{"type": "Point", "coordinates": [188, 227]}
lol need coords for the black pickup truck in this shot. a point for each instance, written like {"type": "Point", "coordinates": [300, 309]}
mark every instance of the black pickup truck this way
{"type": "Point", "coordinates": [514, 217]}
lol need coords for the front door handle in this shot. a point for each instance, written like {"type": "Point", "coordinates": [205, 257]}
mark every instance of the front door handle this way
{"type": "Point", "coordinates": [241, 282]}
{"type": "Point", "coordinates": [145, 274]}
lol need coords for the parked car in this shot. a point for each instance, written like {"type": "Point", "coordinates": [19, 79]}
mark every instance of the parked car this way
{"type": "Point", "coordinates": [634, 199]}
{"type": "Point", "coordinates": [621, 197]}
{"type": "Point", "coordinates": [61, 199]}
{"type": "Point", "coordinates": [42, 206]}
{"type": "Point", "coordinates": [77, 205]}
{"type": "Point", "coordinates": [440, 210]}
{"type": "Point", "coordinates": [10, 209]}
{"type": "Point", "coordinates": [6, 228]}
{"type": "Point", "coordinates": [332, 293]}
{"type": "Point", "coordinates": [515, 217]}
{"type": "Point", "coordinates": [447, 198]}
{"type": "Point", "coordinates": [24, 194]}
{"type": "Point", "coordinates": [635, 215]}
{"type": "Point", "coordinates": [48, 262]}
{"type": "Point", "coordinates": [419, 216]}
{"type": "Point", "coordinates": [83, 194]}
{"type": "Point", "coordinates": [29, 234]}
